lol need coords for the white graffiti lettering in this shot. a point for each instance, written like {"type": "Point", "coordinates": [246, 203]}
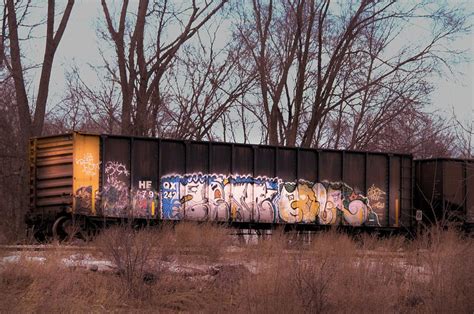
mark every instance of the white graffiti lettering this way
{"type": "Point", "coordinates": [89, 167]}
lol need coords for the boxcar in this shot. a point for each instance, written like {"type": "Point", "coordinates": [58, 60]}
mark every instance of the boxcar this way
{"type": "Point", "coordinates": [107, 177]}
{"type": "Point", "coordinates": [444, 190]}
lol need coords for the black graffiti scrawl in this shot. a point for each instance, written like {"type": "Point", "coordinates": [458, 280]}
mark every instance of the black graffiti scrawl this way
{"type": "Point", "coordinates": [115, 195]}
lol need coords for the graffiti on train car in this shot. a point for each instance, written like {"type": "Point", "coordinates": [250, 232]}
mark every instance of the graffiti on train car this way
{"type": "Point", "coordinates": [89, 167]}
{"type": "Point", "coordinates": [83, 194]}
{"type": "Point", "coordinates": [376, 197]}
{"type": "Point", "coordinates": [83, 197]}
{"type": "Point", "coordinates": [244, 198]}
{"type": "Point", "coordinates": [115, 195]}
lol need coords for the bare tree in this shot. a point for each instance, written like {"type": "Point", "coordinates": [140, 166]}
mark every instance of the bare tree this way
{"type": "Point", "coordinates": [319, 62]}
{"type": "Point", "coordinates": [12, 60]}
{"type": "Point", "coordinates": [16, 68]}
{"type": "Point", "coordinates": [141, 61]}
{"type": "Point", "coordinates": [88, 108]}
{"type": "Point", "coordinates": [10, 162]}
{"type": "Point", "coordinates": [204, 85]}
{"type": "Point", "coordinates": [464, 132]}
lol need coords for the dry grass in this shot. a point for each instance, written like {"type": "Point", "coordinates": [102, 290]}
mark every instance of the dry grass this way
{"type": "Point", "coordinates": [332, 273]}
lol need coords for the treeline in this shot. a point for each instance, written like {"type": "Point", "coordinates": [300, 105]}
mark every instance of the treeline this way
{"type": "Point", "coordinates": [328, 74]}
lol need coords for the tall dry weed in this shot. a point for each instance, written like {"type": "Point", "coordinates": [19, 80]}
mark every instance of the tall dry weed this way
{"type": "Point", "coordinates": [205, 239]}
{"type": "Point", "coordinates": [447, 258]}
{"type": "Point", "coordinates": [333, 274]}
{"type": "Point", "coordinates": [132, 252]}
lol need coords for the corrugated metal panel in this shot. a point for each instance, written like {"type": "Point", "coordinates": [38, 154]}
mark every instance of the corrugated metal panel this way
{"type": "Point", "coordinates": [54, 183]}
{"type": "Point", "coordinates": [51, 172]}
{"type": "Point", "coordinates": [52, 201]}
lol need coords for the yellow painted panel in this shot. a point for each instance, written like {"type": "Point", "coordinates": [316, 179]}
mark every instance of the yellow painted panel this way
{"type": "Point", "coordinates": [86, 172]}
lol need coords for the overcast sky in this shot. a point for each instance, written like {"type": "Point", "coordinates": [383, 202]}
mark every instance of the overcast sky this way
{"type": "Point", "coordinates": [80, 46]}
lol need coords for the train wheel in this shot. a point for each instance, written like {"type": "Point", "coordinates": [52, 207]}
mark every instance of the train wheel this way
{"type": "Point", "coordinates": [59, 232]}
{"type": "Point", "coordinates": [39, 233]}
{"type": "Point", "coordinates": [65, 229]}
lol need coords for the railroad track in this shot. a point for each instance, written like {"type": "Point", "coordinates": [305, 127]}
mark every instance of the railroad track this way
{"type": "Point", "coordinates": [230, 251]}
{"type": "Point", "coordinates": [46, 247]}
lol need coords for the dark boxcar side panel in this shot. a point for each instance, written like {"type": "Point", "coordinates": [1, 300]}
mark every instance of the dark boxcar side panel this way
{"type": "Point", "coordinates": [354, 171]}
{"type": "Point", "coordinates": [377, 188]}
{"type": "Point", "coordinates": [443, 189]}
{"type": "Point", "coordinates": [221, 159]}
{"type": "Point", "coordinates": [265, 162]}
{"type": "Point", "coordinates": [286, 165]}
{"type": "Point", "coordinates": [307, 165]}
{"type": "Point", "coordinates": [197, 158]}
{"type": "Point", "coordinates": [330, 166]}
{"type": "Point", "coordinates": [117, 177]}
{"type": "Point", "coordinates": [394, 192]}
{"type": "Point", "coordinates": [243, 160]}
{"type": "Point", "coordinates": [406, 192]}
{"type": "Point", "coordinates": [173, 157]}
{"type": "Point", "coordinates": [453, 189]}
{"type": "Point", "coordinates": [145, 181]}
{"type": "Point", "coordinates": [428, 186]}
{"type": "Point", "coordinates": [469, 192]}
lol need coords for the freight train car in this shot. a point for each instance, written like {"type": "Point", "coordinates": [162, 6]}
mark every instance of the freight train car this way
{"type": "Point", "coordinates": [102, 178]}
{"type": "Point", "coordinates": [444, 191]}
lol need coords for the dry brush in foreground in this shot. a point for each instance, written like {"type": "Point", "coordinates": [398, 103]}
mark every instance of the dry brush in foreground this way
{"type": "Point", "coordinates": [200, 268]}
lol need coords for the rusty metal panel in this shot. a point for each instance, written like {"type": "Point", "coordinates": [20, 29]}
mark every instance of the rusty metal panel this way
{"type": "Point", "coordinates": [54, 183]}
{"type": "Point", "coordinates": [51, 172]}
{"type": "Point", "coordinates": [86, 173]}
{"type": "Point", "coordinates": [51, 161]}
